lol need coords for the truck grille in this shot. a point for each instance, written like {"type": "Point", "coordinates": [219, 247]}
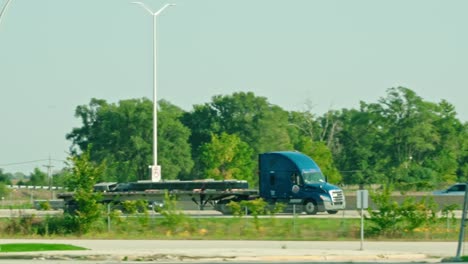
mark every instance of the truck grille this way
{"type": "Point", "coordinates": [337, 196]}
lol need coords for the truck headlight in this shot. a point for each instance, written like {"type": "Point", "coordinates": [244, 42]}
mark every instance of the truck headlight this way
{"type": "Point", "coordinates": [324, 197]}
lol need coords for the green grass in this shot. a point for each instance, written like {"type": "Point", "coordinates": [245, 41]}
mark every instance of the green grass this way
{"type": "Point", "coordinates": [306, 229]}
{"type": "Point", "coordinates": [453, 259]}
{"type": "Point", "coordinates": [27, 247]}
{"type": "Point", "coordinates": [184, 227]}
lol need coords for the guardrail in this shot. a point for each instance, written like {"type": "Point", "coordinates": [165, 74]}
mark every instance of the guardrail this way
{"type": "Point", "coordinates": [35, 187]}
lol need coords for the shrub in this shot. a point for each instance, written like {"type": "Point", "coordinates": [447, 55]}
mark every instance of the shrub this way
{"type": "Point", "coordinates": [392, 219]}
{"type": "Point", "coordinates": [255, 208]}
{"type": "Point", "coordinates": [22, 225]}
{"type": "Point", "coordinates": [45, 205]}
{"type": "Point", "coordinates": [57, 225]}
{"type": "Point", "coordinates": [173, 219]}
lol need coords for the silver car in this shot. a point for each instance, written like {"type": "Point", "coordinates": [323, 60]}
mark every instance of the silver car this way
{"type": "Point", "coordinates": [456, 189]}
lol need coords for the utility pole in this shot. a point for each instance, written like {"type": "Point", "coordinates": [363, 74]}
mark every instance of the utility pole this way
{"type": "Point", "coordinates": [461, 236]}
{"type": "Point", "coordinates": [49, 178]}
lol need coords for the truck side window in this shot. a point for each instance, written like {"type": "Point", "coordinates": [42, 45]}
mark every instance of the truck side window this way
{"type": "Point", "coordinates": [294, 178]}
{"type": "Point", "coordinates": [298, 180]}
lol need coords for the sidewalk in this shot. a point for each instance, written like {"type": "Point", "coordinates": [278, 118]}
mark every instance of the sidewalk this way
{"type": "Point", "coordinates": [242, 251]}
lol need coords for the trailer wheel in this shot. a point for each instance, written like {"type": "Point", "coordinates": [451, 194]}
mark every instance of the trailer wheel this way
{"type": "Point", "coordinates": [332, 211]}
{"type": "Point", "coordinates": [310, 207]}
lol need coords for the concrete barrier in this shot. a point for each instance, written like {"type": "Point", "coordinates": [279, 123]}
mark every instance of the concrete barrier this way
{"type": "Point", "coordinates": [441, 200]}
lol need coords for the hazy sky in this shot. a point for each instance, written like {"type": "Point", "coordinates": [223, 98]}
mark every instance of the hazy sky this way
{"type": "Point", "coordinates": [58, 54]}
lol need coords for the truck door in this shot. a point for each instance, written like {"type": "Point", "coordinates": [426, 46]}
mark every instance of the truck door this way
{"type": "Point", "coordinates": [279, 185]}
{"type": "Point", "coordinates": [275, 186]}
{"type": "Point", "coordinates": [272, 184]}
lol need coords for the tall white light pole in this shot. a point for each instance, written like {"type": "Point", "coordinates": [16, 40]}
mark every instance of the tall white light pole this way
{"type": "Point", "coordinates": [4, 9]}
{"type": "Point", "coordinates": [155, 168]}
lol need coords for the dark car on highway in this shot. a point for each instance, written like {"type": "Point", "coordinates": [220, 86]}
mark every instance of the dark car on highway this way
{"type": "Point", "coordinates": [456, 189]}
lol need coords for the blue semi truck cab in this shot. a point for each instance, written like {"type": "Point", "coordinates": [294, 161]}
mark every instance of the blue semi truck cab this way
{"type": "Point", "coordinates": [292, 177]}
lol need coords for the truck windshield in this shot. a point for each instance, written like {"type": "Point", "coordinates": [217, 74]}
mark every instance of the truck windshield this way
{"type": "Point", "coordinates": [313, 177]}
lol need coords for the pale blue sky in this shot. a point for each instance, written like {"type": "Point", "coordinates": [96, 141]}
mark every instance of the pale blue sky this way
{"type": "Point", "coordinates": [58, 54]}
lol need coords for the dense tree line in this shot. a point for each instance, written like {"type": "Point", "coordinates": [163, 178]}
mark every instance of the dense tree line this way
{"type": "Point", "coordinates": [400, 140]}
{"type": "Point", "coordinates": [35, 178]}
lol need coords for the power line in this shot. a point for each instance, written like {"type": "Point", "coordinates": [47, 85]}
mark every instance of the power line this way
{"type": "Point", "coordinates": [28, 162]}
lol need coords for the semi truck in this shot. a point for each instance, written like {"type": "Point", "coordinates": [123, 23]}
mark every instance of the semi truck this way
{"type": "Point", "coordinates": [287, 177]}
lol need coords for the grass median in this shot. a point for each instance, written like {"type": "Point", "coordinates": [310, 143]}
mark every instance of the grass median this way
{"type": "Point", "coordinates": [31, 247]}
{"type": "Point", "coordinates": [143, 226]}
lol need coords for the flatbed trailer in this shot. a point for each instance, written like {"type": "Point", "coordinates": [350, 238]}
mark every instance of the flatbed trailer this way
{"type": "Point", "coordinates": [211, 194]}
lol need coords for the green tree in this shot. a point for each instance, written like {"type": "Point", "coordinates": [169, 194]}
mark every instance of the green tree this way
{"type": "Point", "coordinates": [356, 145]}
{"type": "Point", "coordinates": [308, 137]}
{"type": "Point", "coordinates": [444, 160]}
{"type": "Point", "coordinates": [59, 178]}
{"type": "Point", "coordinates": [261, 125]}
{"type": "Point", "coordinates": [121, 135]}
{"type": "Point", "coordinates": [38, 178]}
{"type": "Point", "coordinates": [175, 151]}
{"type": "Point", "coordinates": [84, 175]}
{"type": "Point", "coordinates": [402, 140]}
{"type": "Point", "coordinates": [411, 134]}
{"type": "Point", "coordinates": [322, 155]}
{"type": "Point", "coordinates": [227, 157]}
{"type": "Point", "coordinates": [5, 177]}
{"type": "Point", "coordinates": [462, 171]}
{"type": "Point", "coordinates": [303, 128]}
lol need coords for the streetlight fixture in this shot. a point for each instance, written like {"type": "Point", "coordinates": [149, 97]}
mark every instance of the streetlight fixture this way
{"type": "Point", "coordinates": [4, 9]}
{"type": "Point", "coordinates": [155, 168]}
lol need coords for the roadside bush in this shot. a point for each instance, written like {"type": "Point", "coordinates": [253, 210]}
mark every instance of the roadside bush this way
{"type": "Point", "coordinates": [236, 208]}
{"type": "Point", "coordinates": [57, 225]}
{"type": "Point", "coordinates": [255, 208]}
{"type": "Point", "coordinates": [173, 219]}
{"type": "Point", "coordinates": [133, 207]}
{"type": "Point", "coordinates": [22, 225]}
{"type": "Point", "coordinates": [392, 219]}
{"type": "Point", "coordinates": [448, 214]}
{"type": "Point", "coordinates": [29, 225]}
{"type": "Point", "coordinates": [45, 205]}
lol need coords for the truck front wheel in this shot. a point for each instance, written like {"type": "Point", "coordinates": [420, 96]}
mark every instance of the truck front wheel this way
{"type": "Point", "coordinates": [310, 207]}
